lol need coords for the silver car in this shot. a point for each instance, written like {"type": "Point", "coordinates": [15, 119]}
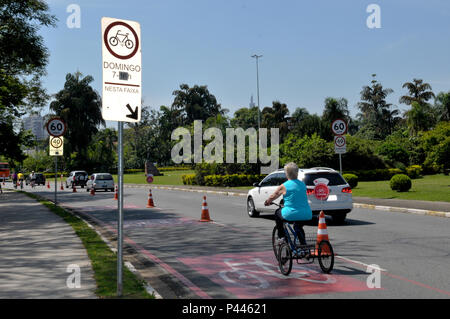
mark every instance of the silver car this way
{"type": "Point", "coordinates": [98, 181]}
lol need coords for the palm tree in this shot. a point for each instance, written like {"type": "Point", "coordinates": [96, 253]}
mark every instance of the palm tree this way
{"type": "Point", "coordinates": [375, 111]}
{"type": "Point", "coordinates": [335, 109]}
{"type": "Point", "coordinates": [78, 104]}
{"type": "Point", "coordinates": [418, 91]}
{"type": "Point", "coordinates": [442, 106]}
{"type": "Point", "coordinates": [419, 117]}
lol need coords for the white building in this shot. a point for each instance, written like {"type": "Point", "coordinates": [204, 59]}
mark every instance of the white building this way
{"type": "Point", "coordinates": [35, 123]}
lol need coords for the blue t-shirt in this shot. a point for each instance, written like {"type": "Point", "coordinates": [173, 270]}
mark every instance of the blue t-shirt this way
{"type": "Point", "coordinates": [296, 205]}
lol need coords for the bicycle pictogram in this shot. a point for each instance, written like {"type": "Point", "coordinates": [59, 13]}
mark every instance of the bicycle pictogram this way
{"type": "Point", "coordinates": [121, 38]}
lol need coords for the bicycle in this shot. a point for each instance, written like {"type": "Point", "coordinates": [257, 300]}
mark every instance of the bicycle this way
{"type": "Point", "coordinates": [114, 40]}
{"type": "Point", "coordinates": [292, 249]}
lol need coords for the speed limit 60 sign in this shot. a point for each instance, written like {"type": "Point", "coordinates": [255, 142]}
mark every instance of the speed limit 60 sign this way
{"type": "Point", "coordinates": [339, 127]}
{"type": "Point", "coordinates": [56, 127]}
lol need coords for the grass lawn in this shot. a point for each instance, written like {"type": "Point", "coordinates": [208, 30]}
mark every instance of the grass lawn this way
{"type": "Point", "coordinates": [103, 260]}
{"type": "Point", "coordinates": [430, 187]}
{"type": "Point", "coordinates": [169, 178]}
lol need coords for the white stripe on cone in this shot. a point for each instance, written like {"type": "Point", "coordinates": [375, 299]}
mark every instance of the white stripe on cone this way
{"type": "Point", "coordinates": [322, 232]}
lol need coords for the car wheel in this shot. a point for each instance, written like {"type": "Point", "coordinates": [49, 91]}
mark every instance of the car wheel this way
{"type": "Point", "coordinates": [252, 212]}
{"type": "Point", "coordinates": [339, 219]}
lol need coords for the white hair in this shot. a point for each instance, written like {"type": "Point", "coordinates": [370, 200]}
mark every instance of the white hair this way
{"type": "Point", "coordinates": [291, 170]}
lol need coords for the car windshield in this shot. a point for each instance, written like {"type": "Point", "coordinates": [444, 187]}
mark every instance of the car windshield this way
{"type": "Point", "coordinates": [80, 173]}
{"type": "Point", "coordinates": [334, 179]}
{"type": "Point", "coordinates": [104, 177]}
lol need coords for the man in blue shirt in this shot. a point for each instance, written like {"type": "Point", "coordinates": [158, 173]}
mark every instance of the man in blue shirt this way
{"type": "Point", "coordinates": [296, 207]}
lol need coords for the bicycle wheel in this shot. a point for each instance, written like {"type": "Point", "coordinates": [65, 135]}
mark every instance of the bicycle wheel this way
{"type": "Point", "coordinates": [285, 259]}
{"type": "Point", "coordinates": [325, 256]}
{"type": "Point", "coordinates": [113, 41]}
{"type": "Point", "coordinates": [129, 44]}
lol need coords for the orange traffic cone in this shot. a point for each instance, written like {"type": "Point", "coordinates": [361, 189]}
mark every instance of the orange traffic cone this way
{"type": "Point", "coordinates": [322, 231]}
{"type": "Point", "coordinates": [74, 189]}
{"type": "Point", "coordinates": [48, 184]}
{"type": "Point", "coordinates": [205, 211]}
{"type": "Point", "coordinates": [62, 187]}
{"type": "Point", "coordinates": [116, 195]}
{"type": "Point", "coordinates": [92, 191]}
{"type": "Point", "coordinates": [150, 203]}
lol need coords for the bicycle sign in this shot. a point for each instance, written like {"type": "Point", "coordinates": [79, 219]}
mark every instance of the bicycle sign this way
{"type": "Point", "coordinates": [339, 127]}
{"type": "Point", "coordinates": [56, 127]}
{"type": "Point", "coordinates": [121, 40]}
{"type": "Point", "coordinates": [121, 57]}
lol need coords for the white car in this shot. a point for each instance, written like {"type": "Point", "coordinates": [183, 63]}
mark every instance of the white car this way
{"type": "Point", "coordinates": [100, 181]}
{"type": "Point", "coordinates": [338, 204]}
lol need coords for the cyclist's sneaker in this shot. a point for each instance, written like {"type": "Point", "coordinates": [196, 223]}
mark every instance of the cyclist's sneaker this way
{"type": "Point", "coordinates": [281, 240]}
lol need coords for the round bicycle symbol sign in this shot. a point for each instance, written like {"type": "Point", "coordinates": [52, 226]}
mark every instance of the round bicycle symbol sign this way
{"type": "Point", "coordinates": [121, 40]}
{"type": "Point", "coordinates": [56, 127]}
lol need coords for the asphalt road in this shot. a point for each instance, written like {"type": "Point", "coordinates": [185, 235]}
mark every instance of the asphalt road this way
{"type": "Point", "coordinates": [232, 256]}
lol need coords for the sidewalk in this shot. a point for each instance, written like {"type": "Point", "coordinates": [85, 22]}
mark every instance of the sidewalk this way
{"type": "Point", "coordinates": [36, 248]}
{"type": "Point", "coordinates": [364, 202]}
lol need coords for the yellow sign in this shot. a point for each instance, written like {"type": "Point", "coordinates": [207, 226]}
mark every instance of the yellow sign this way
{"type": "Point", "coordinates": [56, 145]}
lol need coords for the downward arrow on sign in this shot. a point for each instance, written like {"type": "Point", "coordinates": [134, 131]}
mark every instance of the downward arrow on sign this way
{"type": "Point", "coordinates": [134, 114]}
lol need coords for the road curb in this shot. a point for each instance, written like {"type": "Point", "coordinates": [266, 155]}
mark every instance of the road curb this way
{"type": "Point", "coordinates": [356, 205]}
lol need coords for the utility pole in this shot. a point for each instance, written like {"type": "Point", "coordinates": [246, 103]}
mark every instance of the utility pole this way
{"type": "Point", "coordinates": [257, 87]}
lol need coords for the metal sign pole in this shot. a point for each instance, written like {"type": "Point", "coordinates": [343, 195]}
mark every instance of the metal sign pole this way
{"type": "Point", "coordinates": [120, 219]}
{"type": "Point", "coordinates": [56, 174]}
{"type": "Point", "coordinates": [340, 163]}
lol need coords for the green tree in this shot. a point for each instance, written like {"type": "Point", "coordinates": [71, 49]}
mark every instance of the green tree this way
{"type": "Point", "coordinates": [420, 117]}
{"type": "Point", "coordinates": [23, 58]}
{"type": "Point", "coordinates": [102, 151]}
{"type": "Point", "coordinates": [442, 106]}
{"type": "Point", "coordinates": [245, 118]}
{"type": "Point", "coordinates": [78, 104]}
{"type": "Point", "coordinates": [419, 92]}
{"type": "Point", "coordinates": [195, 103]}
{"type": "Point", "coordinates": [376, 115]}
{"type": "Point", "coordinates": [276, 117]}
{"type": "Point", "coordinates": [308, 151]}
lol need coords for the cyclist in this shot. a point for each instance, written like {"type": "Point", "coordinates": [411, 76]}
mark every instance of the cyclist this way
{"type": "Point", "coordinates": [296, 207]}
{"type": "Point", "coordinates": [20, 176]}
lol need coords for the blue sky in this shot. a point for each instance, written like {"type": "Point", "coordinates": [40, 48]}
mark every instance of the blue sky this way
{"type": "Point", "coordinates": [311, 49]}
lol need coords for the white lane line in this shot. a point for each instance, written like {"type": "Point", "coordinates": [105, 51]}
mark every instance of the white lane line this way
{"type": "Point", "coordinates": [361, 263]}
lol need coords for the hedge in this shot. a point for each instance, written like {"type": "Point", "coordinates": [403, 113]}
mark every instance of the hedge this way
{"type": "Point", "coordinates": [400, 183]}
{"type": "Point", "coordinates": [232, 180]}
{"type": "Point", "coordinates": [351, 179]}
{"type": "Point", "coordinates": [381, 174]}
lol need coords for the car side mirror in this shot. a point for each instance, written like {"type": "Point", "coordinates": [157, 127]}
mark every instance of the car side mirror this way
{"type": "Point", "coordinates": [256, 184]}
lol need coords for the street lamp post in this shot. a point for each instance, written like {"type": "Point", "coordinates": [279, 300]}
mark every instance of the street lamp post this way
{"type": "Point", "coordinates": [257, 87]}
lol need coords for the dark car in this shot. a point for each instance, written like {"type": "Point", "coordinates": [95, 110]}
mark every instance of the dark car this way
{"type": "Point", "coordinates": [77, 178]}
{"type": "Point", "coordinates": [40, 179]}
